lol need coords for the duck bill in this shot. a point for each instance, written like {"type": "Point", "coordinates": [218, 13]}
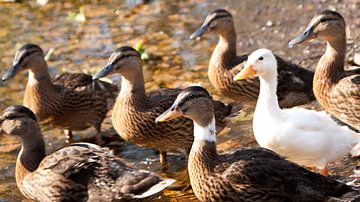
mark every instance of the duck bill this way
{"type": "Point", "coordinates": [104, 72]}
{"type": "Point", "coordinates": [307, 35]}
{"type": "Point", "coordinates": [172, 113]}
{"type": "Point", "coordinates": [245, 73]}
{"type": "Point", "coordinates": [11, 72]}
{"type": "Point", "coordinates": [201, 31]}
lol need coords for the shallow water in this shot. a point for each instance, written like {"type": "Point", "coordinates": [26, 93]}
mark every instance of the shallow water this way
{"type": "Point", "coordinates": [163, 27]}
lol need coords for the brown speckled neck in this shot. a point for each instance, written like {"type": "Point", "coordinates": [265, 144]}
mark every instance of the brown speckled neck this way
{"type": "Point", "coordinates": [133, 87]}
{"type": "Point", "coordinates": [40, 93]}
{"type": "Point", "coordinates": [330, 69]}
{"type": "Point", "coordinates": [225, 50]}
{"type": "Point", "coordinates": [203, 156]}
{"type": "Point", "coordinates": [331, 65]}
{"type": "Point", "coordinates": [39, 72]}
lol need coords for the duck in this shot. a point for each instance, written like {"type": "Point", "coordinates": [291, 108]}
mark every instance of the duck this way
{"type": "Point", "coordinates": [308, 137]}
{"type": "Point", "coordinates": [244, 174]}
{"type": "Point", "coordinates": [295, 82]}
{"type": "Point", "coordinates": [77, 172]}
{"type": "Point", "coordinates": [70, 101]}
{"type": "Point", "coordinates": [336, 89]}
{"type": "Point", "coordinates": [135, 109]}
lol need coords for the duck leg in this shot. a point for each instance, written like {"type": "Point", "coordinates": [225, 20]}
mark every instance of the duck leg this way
{"type": "Point", "coordinates": [163, 160]}
{"type": "Point", "coordinates": [68, 136]}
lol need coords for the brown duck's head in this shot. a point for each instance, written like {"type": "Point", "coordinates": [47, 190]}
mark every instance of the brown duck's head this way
{"type": "Point", "coordinates": [194, 103]}
{"type": "Point", "coordinates": [327, 25]}
{"type": "Point", "coordinates": [122, 61]}
{"type": "Point", "coordinates": [218, 21]}
{"type": "Point", "coordinates": [17, 121]}
{"type": "Point", "coordinates": [26, 57]}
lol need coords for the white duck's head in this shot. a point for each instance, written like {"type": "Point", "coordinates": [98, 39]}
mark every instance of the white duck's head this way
{"type": "Point", "coordinates": [261, 62]}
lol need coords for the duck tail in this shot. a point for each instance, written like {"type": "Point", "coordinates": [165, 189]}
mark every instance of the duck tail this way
{"type": "Point", "coordinates": [155, 189]}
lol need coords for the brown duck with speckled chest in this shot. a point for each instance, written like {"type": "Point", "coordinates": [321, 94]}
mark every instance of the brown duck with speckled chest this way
{"type": "Point", "coordinates": [135, 110]}
{"type": "Point", "coordinates": [295, 83]}
{"type": "Point", "coordinates": [247, 174]}
{"type": "Point", "coordinates": [336, 89]}
{"type": "Point", "coordinates": [77, 172]}
{"type": "Point", "coordinates": [70, 101]}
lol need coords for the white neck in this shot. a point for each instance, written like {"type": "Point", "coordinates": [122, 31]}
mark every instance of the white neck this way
{"type": "Point", "coordinates": [268, 100]}
{"type": "Point", "coordinates": [206, 133]}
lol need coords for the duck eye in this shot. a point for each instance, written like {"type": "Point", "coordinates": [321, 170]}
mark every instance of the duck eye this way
{"type": "Point", "coordinates": [191, 96]}
{"type": "Point", "coordinates": [261, 58]}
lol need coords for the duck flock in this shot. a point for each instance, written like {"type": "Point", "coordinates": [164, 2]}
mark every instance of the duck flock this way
{"type": "Point", "coordinates": [291, 139]}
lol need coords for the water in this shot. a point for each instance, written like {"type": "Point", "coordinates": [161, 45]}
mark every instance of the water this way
{"type": "Point", "coordinates": [163, 27]}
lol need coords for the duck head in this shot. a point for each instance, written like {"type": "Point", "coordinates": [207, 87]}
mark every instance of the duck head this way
{"type": "Point", "coordinates": [218, 21]}
{"type": "Point", "coordinates": [327, 25]}
{"type": "Point", "coordinates": [17, 121]}
{"type": "Point", "coordinates": [194, 103]}
{"type": "Point", "coordinates": [26, 57]}
{"type": "Point", "coordinates": [260, 62]}
{"type": "Point", "coordinates": [122, 61]}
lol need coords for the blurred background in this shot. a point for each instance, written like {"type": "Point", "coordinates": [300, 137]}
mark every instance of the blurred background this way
{"type": "Point", "coordinates": [79, 36]}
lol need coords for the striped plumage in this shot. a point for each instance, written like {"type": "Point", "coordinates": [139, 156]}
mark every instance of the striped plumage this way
{"type": "Point", "coordinates": [336, 89]}
{"type": "Point", "coordinates": [77, 172]}
{"type": "Point", "coordinates": [247, 174]}
{"type": "Point", "coordinates": [295, 83]}
{"type": "Point", "coordinates": [70, 101]}
{"type": "Point", "coordinates": [135, 110]}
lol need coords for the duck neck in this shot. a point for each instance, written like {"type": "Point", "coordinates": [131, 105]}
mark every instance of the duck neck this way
{"type": "Point", "coordinates": [133, 87]}
{"type": "Point", "coordinates": [225, 50]}
{"type": "Point", "coordinates": [203, 152]}
{"type": "Point", "coordinates": [268, 100]}
{"type": "Point", "coordinates": [331, 65]}
{"type": "Point", "coordinates": [39, 75]}
{"type": "Point", "coordinates": [32, 151]}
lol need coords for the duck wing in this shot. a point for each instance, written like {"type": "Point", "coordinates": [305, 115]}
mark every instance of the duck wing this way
{"type": "Point", "coordinates": [163, 97]}
{"type": "Point", "coordinates": [102, 173]}
{"type": "Point", "coordinates": [80, 82]}
{"type": "Point", "coordinates": [279, 176]}
{"type": "Point", "coordinates": [46, 185]}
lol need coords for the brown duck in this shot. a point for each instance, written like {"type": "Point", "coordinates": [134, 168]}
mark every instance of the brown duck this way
{"type": "Point", "coordinates": [135, 110]}
{"type": "Point", "coordinates": [295, 83]}
{"type": "Point", "coordinates": [70, 101]}
{"type": "Point", "coordinates": [336, 89]}
{"type": "Point", "coordinates": [247, 174]}
{"type": "Point", "coordinates": [77, 172]}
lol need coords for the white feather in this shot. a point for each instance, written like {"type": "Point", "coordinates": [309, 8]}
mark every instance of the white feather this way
{"type": "Point", "coordinates": [307, 137]}
{"type": "Point", "coordinates": [206, 133]}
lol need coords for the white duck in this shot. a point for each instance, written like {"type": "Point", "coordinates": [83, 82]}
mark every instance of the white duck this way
{"type": "Point", "coordinates": [308, 137]}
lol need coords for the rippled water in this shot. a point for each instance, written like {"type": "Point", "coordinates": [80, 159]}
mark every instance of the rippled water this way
{"type": "Point", "coordinates": [163, 27]}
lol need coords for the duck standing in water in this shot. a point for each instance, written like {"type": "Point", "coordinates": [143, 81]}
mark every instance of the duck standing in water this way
{"type": "Point", "coordinates": [247, 174]}
{"type": "Point", "coordinates": [77, 172]}
{"type": "Point", "coordinates": [70, 101]}
{"type": "Point", "coordinates": [307, 137]}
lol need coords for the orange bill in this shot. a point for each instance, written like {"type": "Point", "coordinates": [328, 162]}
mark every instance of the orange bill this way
{"type": "Point", "coordinates": [245, 73]}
